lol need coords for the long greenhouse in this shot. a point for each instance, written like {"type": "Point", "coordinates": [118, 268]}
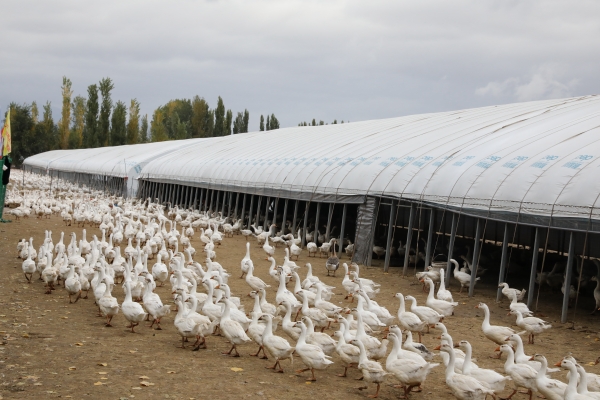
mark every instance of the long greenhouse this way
{"type": "Point", "coordinates": [510, 190]}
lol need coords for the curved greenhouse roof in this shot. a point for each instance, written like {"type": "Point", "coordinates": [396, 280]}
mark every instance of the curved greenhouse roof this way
{"type": "Point", "coordinates": [534, 159]}
{"type": "Point", "coordinates": [117, 161]}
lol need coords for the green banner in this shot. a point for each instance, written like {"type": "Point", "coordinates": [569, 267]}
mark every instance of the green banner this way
{"type": "Point", "coordinates": [2, 194]}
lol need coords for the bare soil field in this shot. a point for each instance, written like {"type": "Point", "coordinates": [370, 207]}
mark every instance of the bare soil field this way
{"type": "Point", "coordinates": [51, 348]}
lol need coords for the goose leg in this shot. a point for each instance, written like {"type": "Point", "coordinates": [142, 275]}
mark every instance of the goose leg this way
{"type": "Point", "coordinates": [264, 356]}
{"type": "Point", "coordinates": [312, 370]}
{"type": "Point", "coordinates": [374, 396]}
{"type": "Point", "coordinates": [78, 297]}
{"type": "Point", "coordinates": [256, 354]}
{"type": "Point", "coordinates": [344, 374]}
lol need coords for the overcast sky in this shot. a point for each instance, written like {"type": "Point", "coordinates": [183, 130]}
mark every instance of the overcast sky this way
{"type": "Point", "coordinates": [339, 59]}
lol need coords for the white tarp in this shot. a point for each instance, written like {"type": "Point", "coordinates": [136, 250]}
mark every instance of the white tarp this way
{"type": "Point", "coordinates": [536, 158]}
{"type": "Point", "coordinates": [118, 161]}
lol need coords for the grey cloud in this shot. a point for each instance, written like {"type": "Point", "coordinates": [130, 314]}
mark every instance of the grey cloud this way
{"type": "Point", "coordinates": [350, 60]}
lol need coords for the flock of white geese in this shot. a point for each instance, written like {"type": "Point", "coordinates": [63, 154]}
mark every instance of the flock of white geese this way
{"type": "Point", "coordinates": [140, 247]}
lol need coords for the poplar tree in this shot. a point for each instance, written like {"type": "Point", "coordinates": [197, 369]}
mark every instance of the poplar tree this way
{"type": "Point", "coordinates": [219, 118]}
{"type": "Point", "coordinates": [228, 118]}
{"type": "Point", "coordinates": [133, 125]}
{"type": "Point", "coordinates": [158, 131]}
{"type": "Point", "coordinates": [143, 135]}
{"type": "Point", "coordinates": [118, 129]}
{"type": "Point", "coordinates": [203, 119]}
{"type": "Point", "coordinates": [78, 123]}
{"type": "Point", "coordinates": [262, 123]}
{"type": "Point", "coordinates": [268, 124]}
{"type": "Point", "coordinates": [246, 120]}
{"type": "Point", "coordinates": [90, 131]}
{"type": "Point", "coordinates": [65, 122]}
{"type": "Point", "coordinates": [106, 85]}
{"type": "Point", "coordinates": [273, 123]}
{"type": "Point", "coordinates": [35, 114]}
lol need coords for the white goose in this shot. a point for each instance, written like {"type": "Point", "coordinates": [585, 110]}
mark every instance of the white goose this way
{"type": "Point", "coordinates": [154, 305]}
{"type": "Point", "coordinates": [133, 312]}
{"type": "Point", "coordinates": [312, 355]}
{"type": "Point", "coordinates": [523, 375]}
{"type": "Point", "coordinates": [246, 261]}
{"type": "Point", "coordinates": [443, 293]}
{"type": "Point", "coordinates": [489, 378]}
{"type": "Point", "coordinates": [409, 372]}
{"type": "Point", "coordinates": [463, 386]}
{"type": "Point", "coordinates": [408, 320]}
{"type": "Point", "coordinates": [571, 390]}
{"type": "Point", "coordinates": [278, 347]}
{"type": "Point", "coordinates": [232, 330]}
{"type": "Point", "coordinates": [426, 314]}
{"type": "Point", "coordinates": [349, 354]}
{"type": "Point", "coordinates": [254, 281]}
{"type": "Point", "coordinates": [552, 389]}
{"type": "Point", "coordinates": [372, 371]}
{"type": "Point", "coordinates": [323, 340]}
{"type": "Point", "coordinates": [443, 307]}
{"type": "Point", "coordinates": [73, 284]}
{"type": "Point", "coordinates": [532, 325]}
{"type": "Point", "coordinates": [108, 305]}
{"type": "Point", "coordinates": [495, 333]}
{"type": "Point", "coordinates": [463, 277]}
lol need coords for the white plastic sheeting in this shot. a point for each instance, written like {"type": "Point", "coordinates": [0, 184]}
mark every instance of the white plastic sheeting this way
{"type": "Point", "coordinates": [118, 161]}
{"type": "Point", "coordinates": [538, 158]}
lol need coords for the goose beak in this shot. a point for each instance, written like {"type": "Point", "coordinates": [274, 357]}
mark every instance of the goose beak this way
{"type": "Point", "coordinates": [456, 346]}
{"type": "Point", "coordinates": [531, 358]}
{"type": "Point", "coordinates": [558, 364]}
{"type": "Point", "coordinates": [497, 348]}
{"type": "Point", "coordinates": [438, 347]}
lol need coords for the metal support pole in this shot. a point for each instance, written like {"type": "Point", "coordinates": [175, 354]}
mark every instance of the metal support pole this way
{"type": "Point", "coordinates": [284, 222]}
{"type": "Point", "coordinates": [390, 233]}
{"type": "Point", "coordinates": [411, 221]}
{"type": "Point", "coordinates": [316, 234]}
{"type": "Point", "coordinates": [306, 207]}
{"type": "Point", "coordinates": [569, 273]}
{"type": "Point", "coordinates": [202, 200]}
{"type": "Point", "coordinates": [267, 204]}
{"type": "Point", "coordinates": [534, 262]}
{"type": "Point", "coordinates": [237, 201]}
{"type": "Point", "coordinates": [295, 216]}
{"type": "Point", "coordinates": [342, 228]}
{"type": "Point", "coordinates": [195, 198]}
{"type": "Point", "coordinates": [274, 221]}
{"type": "Point", "coordinates": [212, 196]}
{"type": "Point", "coordinates": [223, 197]}
{"type": "Point", "coordinates": [429, 237]}
{"type": "Point", "coordinates": [475, 262]}
{"type": "Point", "coordinates": [243, 210]}
{"type": "Point", "coordinates": [257, 222]}
{"type": "Point", "coordinates": [329, 216]}
{"type": "Point", "coordinates": [229, 204]}
{"type": "Point", "coordinates": [503, 261]}
{"type": "Point", "coordinates": [451, 248]}
{"type": "Point", "coordinates": [250, 210]}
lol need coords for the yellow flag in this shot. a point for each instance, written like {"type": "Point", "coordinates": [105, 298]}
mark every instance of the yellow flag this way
{"type": "Point", "coordinates": [6, 148]}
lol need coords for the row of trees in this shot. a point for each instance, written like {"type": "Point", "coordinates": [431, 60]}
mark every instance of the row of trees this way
{"type": "Point", "coordinates": [193, 118]}
{"type": "Point", "coordinates": [96, 121]}
{"type": "Point", "coordinates": [314, 123]}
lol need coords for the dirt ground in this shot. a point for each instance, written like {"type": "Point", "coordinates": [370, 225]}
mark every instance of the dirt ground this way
{"type": "Point", "coordinates": [51, 348]}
